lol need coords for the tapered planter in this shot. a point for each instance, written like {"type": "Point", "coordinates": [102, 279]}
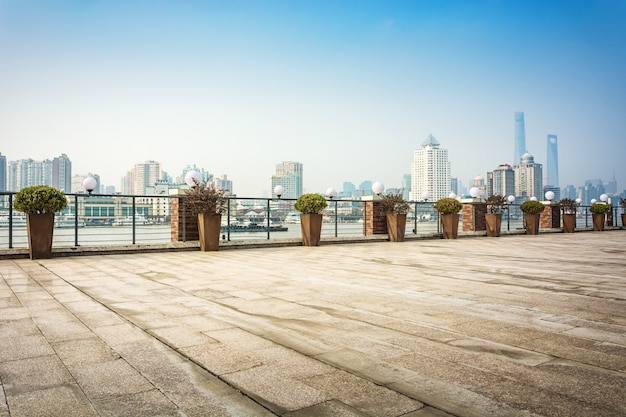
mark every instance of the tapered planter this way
{"type": "Point", "coordinates": [396, 226]}
{"type": "Point", "coordinates": [493, 223]}
{"type": "Point", "coordinates": [569, 223]}
{"type": "Point", "coordinates": [311, 225]}
{"type": "Point", "coordinates": [450, 224]}
{"type": "Point", "coordinates": [40, 228]}
{"type": "Point", "coordinates": [209, 226]}
{"type": "Point", "coordinates": [598, 221]}
{"type": "Point", "coordinates": [532, 223]}
{"type": "Point", "coordinates": [623, 219]}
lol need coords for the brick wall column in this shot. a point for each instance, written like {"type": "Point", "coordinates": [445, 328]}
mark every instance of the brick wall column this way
{"type": "Point", "coordinates": [191, 222]}
{"type": "Point", "coordinates": [550, 217]}
{"type": "Point", "coordinates": [474, 217]}
{"type": "Point", "coordinates": [374, 223]}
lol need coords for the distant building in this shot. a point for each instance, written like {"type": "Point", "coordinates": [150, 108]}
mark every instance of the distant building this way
{"type": "Point", "coordinates": [365, 188]}
{"type": "Point", "coordinates": [406, 186]}
{"type": "Point", "coordinates": [552, 163]}
{"type": "Point", "coordinates": [520, 137]}
{"type": "Point", "coordinates": [142, 175]}
{"type": "Point", "coordinates": [3, 172]}
{"type": "Point", "coordinates": [479, 182]}
{"type": "Point", "coordinates": [569, 192]}
{"type": "Point", "coordinates": [430, 171]}
{"type": "Point", "coordinates": [348, 190]}
{"type": "Point", "coordinates": [62, 173]}
{"type": "Point", "coordinates": [528, 178]}
{"type": "Point", "coordinates": [223, 183]}
{"type": "Point", "coordinates": [289, 175]}
{"type": "Point", "coordinates": [501, 181]}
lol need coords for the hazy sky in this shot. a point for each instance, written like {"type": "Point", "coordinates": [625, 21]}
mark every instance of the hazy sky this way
{"type": "Point", "coordinates": [348, 88]}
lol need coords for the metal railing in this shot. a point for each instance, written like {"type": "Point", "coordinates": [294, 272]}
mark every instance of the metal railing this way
{"type": "Point", "coordinates": [109, 219]}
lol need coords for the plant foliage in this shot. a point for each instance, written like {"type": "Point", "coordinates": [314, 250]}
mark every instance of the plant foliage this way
{"type": "Point", "coordinates": [205, 199]}
{"type": "Point", "coordinates": [496, 203]}
{"type": "Point", "coordinates": [532, 207]}
{"type": "Point", "coordinates": [448, 206]}
{"type": "Point", "coordinates": [568, 206]}
{"type": "Point", "coordinates": [39, 199]}
{"type": "Point", "coordinates": [599, 208]}
{"type": "Point", "coordinates": [394, 203]}
{"type": "Point", "coordinates": [622, 204]}
{"type": "Point", "coordinates": [311, 203]}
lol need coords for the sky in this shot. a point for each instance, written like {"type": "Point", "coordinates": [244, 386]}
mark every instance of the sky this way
{"type": "Point", "coordinates": [349, 88]}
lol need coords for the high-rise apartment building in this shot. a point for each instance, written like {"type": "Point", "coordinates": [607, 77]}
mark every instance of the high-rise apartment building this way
{"type": "Point", "coordinates": [528, 178]}
{"type": "Point", "coordinates": [289, 176]}
{"type": "Point", "coordinates": [223, 183]}
{"type": "Point", "coordinates": [141, 177]}
{"type": "Point", "coordinates": [552, 163]}
{"type": "Point", "coordinates": [62, 173]}
{"type": "Point", "coordinates": [430, 171]}
{"type": "Point", "coordinates": [3, 173]}
{"type": "Point", "coordinates": [501, 181]}
{"type": "Point", "coordinates": [520, 137]}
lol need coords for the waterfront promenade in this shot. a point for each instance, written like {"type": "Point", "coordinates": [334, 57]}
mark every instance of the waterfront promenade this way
{"type": "Point", "coordinates": [511, 326]}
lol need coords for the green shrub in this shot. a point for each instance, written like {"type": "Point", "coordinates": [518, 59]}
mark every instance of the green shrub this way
{"type": "Point", "coordinates": [39, 199]}
{"type": "Point", "coordinates": [599, 208]}
{"type": "Point", "coordinates": [532, 207]}
{"type": "Point", "coordinates": [496, 203]}
{"type": "Point", "coordinates": [394, 203]}
{"type": "Point", "coordinates": [310, 203]}
{"type": "Point", "coordinates": [448, 206]}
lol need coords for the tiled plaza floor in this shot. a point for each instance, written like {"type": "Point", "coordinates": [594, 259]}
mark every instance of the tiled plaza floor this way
{"type": "Point", "coordinates": [510, 326]}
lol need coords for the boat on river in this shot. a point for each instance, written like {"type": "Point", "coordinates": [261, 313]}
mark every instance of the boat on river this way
{"type": "Point", "coordinates": [68, 220]}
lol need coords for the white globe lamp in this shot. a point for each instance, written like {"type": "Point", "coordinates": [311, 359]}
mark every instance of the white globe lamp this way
{"type": "Point", "coordinates": [193, 178]}
{"type": "Point", "coordinates": [475, 192]}
{"type": "Point", "coordinates": [279, 190]}
{"type": "Point", "coordinates": [425, 196]}
{"type": "Point", "coordinates": [579, 201]}
{"type": "Point", "coordinates": [511, 199]}
{"type": "Point", "coordinates": [549, 195]}
{"type": "Point", "coordinates": [90, 184]}
{"type": "Point", "coordinates": [604, 198]}
{"type": "Point", "coordinates": [533, 198]}
{"type": "Point", "coordinates": [331, 192]}
{"type": "Point", "coordinates": [378, 188]}
{"type": "Point", "coordinates": [452, 195]}
{"type": "Point", "coordinates": [594, 201]}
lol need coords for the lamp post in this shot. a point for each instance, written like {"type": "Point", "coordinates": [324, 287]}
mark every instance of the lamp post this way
{"type": "Point", "coordinates": [331, 193]}
{"type": "Point", "coordinates": [549, 196]}
{"type": "Point", "coordinates": [511, 200]}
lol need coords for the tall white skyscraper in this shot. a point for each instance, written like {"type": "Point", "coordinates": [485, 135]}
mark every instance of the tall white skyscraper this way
{"type": "Point", "coordinates": [528, 178]}
{"type": "Point", "coordinates": [501, 181]}
{"type": "Point", "coordinates": [289, 176]}
{"type": "Point", "coordinates": [430, 171]}
{"type": "Point", "coordinates": [142, 176]}
{"type": "Point", "coordinates": [520, 137]}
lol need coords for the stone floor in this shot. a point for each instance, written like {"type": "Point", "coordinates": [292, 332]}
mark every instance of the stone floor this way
{"type": "Point", "coordinates": [510, 326]}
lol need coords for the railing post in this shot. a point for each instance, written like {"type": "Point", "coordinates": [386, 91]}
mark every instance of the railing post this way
{"type": "Point", "coordinates": [10, 221]}
{"type": "Point", "coordinates": [184, 217]}
{"type": "Point", "coordinates": [75, 219]}
{"type": "Point", "coordinates": [228, 220]}
{"type": "Point", "coordinates": [336, 218]}
{"type": "Point", "coordinates": [415, 219]}
{"type": "Point", "coordinates": [134, 209]}
{"type": "Point", "coordinates": [269, 214]}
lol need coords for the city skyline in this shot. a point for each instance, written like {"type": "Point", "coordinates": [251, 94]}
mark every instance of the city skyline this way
{"type": "Point", "coordinates": [350, 89]}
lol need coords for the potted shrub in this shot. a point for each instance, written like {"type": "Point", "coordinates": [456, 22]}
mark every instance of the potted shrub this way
{"type": "Point", "coordinates": [568, 207]}
{"type": "Point", "coordinates": [40, 203]}
{"type": "Point", "coordinates": [208, 203]}
{"type": "Point", "coordinates": [310, 207]}
{"type": "Point", "coordinates": [622, 204]}
{"type": "Point", "coordinates": [493, 218]}
{"type": "Point", "coordinates": [532, 211]}
{"type": "Point", "coordinates": [598, 215]}
{"type": "Point", "coordinates": [394, 207]}
{"type": "Point", "coordinates": [448, 209]}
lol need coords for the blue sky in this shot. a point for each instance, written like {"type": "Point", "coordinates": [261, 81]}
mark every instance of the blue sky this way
{"type": "Point", "coordinates": [348, 88]}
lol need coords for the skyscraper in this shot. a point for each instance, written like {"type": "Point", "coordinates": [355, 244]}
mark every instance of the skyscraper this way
{"type": "Point", "coordinates": [62, 173]}
{"type": "Point", "coordinates": [528, 177]}
{"type": "Point", "coordinates": [430, 171]}
{"type": "Point", "coordinates": [552, 164]}
{"type": "Point", "coordinates": [501, 181]}
{"type": "Point", "coordinates": [289, 176]}
{"type": "Point", "coordinates": [141, 176]}
{"type": "Point", "coordinates": [520, 137]}
{"type": "Point", "coordinates": [3, 173]}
